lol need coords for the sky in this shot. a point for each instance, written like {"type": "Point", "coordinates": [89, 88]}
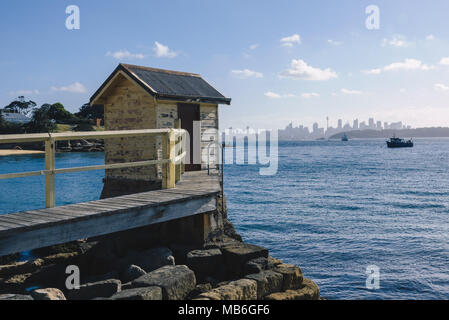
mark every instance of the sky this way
{"type": "Point", "coordinates": [280, 61]}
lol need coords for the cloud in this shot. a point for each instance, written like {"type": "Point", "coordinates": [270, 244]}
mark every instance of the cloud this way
{"type": "Point", "coordinates": [125, 54]}
{"type": "Point", "coordinates": [301, 70]}
{"type": "Point", "coordinates": [253, 46]}
{"type": "Point", "coordinates": [274, 95]}
{"type": "Point", "coordinates": [163, 51]}
{"type": "Point", "coordinates": [73, 88]}
{"type": "Point", "coordinates": [24, 92]}
{"type": "Point", "coordinates": [445, 61]}
{"type": "Point", "coordinates": [246, 73]}
{"type": "Point", "coordinates": [430, 37]}
{"type": "Point", "coordinates": [441, 87]}
{"type": "Point", "coordinates": [407, 64]}
{"type": "Point", "coordinates": [291, 40]}
{"type": "Point", "coordinates": [350, 92]}
{"type": "Point", "coordinates": [335, 43]}
{"type": "Point", "coordinates": [398, 41]}
{"type": "Point", "coordinates": [310, 95]}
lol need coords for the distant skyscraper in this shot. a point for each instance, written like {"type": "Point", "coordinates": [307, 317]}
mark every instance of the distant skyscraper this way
{"type": "Point", "coordinates": [371, 124]}
{"type": "Point", "coordinates": [386, 126]}
{"type": "Point", "coordinates": [340, 123]}
{"type": "Point", "coordinates": [355, 125]}
{"type": "Point", "coordinates": [379, 125]}
{"type": "Point", "coordinates": [315, 127]}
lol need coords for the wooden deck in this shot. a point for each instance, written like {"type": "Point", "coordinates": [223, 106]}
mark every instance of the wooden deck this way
{"type": "Point", "coordinates": [194, 194]}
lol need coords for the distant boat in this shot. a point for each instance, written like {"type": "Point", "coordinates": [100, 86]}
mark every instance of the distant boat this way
{"type": "Point", "coordinates": [399, 143]}
{"type": "Point", "coordinates": [344, 138]}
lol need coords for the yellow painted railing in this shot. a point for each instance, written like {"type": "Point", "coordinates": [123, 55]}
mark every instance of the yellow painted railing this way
{"type": "Point", "coordinates": [173, 150]}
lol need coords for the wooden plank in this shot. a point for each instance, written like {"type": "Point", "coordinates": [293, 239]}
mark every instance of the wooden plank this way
{"type": "Point", "coordinates": [17, 240]}
{"type": "Point", "coordinates": [50, 178]}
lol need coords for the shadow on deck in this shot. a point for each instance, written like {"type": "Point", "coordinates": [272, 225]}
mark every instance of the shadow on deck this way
{"type": "Point", "coordinates": [195, 194]}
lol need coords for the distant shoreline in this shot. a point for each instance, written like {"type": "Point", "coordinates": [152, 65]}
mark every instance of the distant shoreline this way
{"type": "Point", "coordinates": [14, 152]}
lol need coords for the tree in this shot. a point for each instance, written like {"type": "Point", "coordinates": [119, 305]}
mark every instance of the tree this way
{"type": "Point", "coordinates": [58, 113]}
{"type": "Point", "coordinates": [91, 112]}
{"type": "Point", "coordinates": [41, 122]}
{"type": "Point", "coordinates": [20, 106]}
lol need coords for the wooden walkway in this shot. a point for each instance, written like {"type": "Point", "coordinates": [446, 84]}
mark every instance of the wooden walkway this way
{"type": "Point", "coordinates": [194, 194]}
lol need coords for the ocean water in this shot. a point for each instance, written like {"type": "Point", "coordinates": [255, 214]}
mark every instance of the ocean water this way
{"type": "Point", "coordinates": [333, 208]}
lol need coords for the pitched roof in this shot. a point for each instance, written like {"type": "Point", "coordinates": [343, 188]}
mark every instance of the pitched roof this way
{"type": "Point", "coordinates": [172, 85]}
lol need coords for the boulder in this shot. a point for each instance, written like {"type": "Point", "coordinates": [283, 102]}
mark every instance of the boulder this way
{"type": "Point", "coordinates": [180, 252]}
{"type": "Point", "coordinates": [145, 293]}
{"type": "Point", "coordinates": [243, 289]}
{"type": "Point", "coordinates": [148, 260]}
{"type": "Point", "coordinates": [205, 262]}
{"type": "Point", "coordinates": [89, 291]}
{"type": "Point", "coordinates": [258, 265]}
{"type": "Point", "coordinates": [176, 281]}
{"type": "Point", "coordinates": [48, 294]}
{"type": "Point", "coordinates": [236, 255]}
{"type": "Point", "coordinates": [292, 276]}
{"type": "Point", "coordinates": [267, 282]}
{"type": "Point", "coordinates": [21, 267]}
{"type": "Point", "coordinates": [131, 273]}
{"type": "Point", "coordinates": [308, 290]}
{"type": "Point", "coordinates": [15, 297]}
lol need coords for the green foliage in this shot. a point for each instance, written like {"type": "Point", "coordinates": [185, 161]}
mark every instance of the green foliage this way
{"type": "Point", "coordinates": [20, 106]}
{"type": "Point", "coordinates": [41, 122]}
{"type": "Point", "coordinates": [91, 112]}
{"type": "Point", "coordinates": [84, 127]}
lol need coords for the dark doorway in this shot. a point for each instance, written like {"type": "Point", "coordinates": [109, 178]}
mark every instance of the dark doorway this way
{"type": "Point", "coordinates": [189, 113]}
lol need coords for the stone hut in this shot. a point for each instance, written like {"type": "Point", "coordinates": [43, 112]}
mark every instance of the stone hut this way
{"type": "Point", "coordinates": [137, 97]}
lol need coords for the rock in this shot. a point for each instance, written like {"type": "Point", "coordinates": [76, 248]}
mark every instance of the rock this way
{"type": "Point", "coordinates": [89, 291]}
{"type": "Point", "coordinates": [229, 230]}
{"type": "Point", "coordinates": [236, 255]}
{"type": "Point", "coordinates": [101, 277]}
{"type": "Point", "coordinates": [292, 276]}
{"type": "Point", "coordinates": [132, 272]}
{"type": "Point", "coordinates": [258, 265]}
{"type": "Point", "coordinates": [50, 276]}
{"type": "Point", "coordinates": [15, 297]}
{"type": "Point", "coordinates": [65, 258]}
{"type": "Point", "coordinates": [308, 290]}
{"type": "Point", "coordinates": [148, 260]}
{"type": "Point", "coordinates": [243, 289]}
{"type": "Point", "coordinates": [223, 241]}
{"type": "Point", "coordinates": [176, 281]}
{"type": "Point", "coordinates": [180, 252]}
{"type": "Point", "coordinates": [199, 289]}
{"type": "Point", "coordinates": [205, 262]}
{"type": "Point", "coordinates": [145, 293]}
{"type": "Point", "coordinates": [48, 294]}
{"type": "Point", "coordinates": [274, 261]}
{"type": "Point", "coordinates": [267, 282]}
{"type": "Point", "coordinates": [21, 267]}
{"type": "Point", "coordinates": [126, 286]}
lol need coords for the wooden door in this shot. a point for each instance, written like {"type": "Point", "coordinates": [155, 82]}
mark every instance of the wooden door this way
{"type": "Point", "coordinates": [189, 113]}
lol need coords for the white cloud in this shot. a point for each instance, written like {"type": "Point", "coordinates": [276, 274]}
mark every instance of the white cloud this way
{"type": "Point", "coordinates": [310, 95]}
{"type": "Point", "coordinates": [246, 73]}
{"type": "Point", "coordinates": [407, 64]}
{"type": "Point", "coordinates": [74, 88]}
{"type": "Point", "coordinates": [272, 95]}
{"type": "Point", "coordinates": [350, 92]}
{"type": "Point", "coordinates": [301, 70]}
{"type": "Point", "coordinates": [398, 41]}
{"type": "Point", "coordinates": [291, 40]}
{"type": "Point", "coordinates": [125, 54]}
{"type": "Point", "coordinates": [441, 87]}
{"type": "Point", "coordinates": [163, 51]}
{"type": "Point", "coordinates": [25, 92]}
{"type": "Point", "coordinates": [445, 61]}
{"type": "Point", "coordinates": [254, 46]}
{"type": "Point", "coordinates": [335, 43]}
{"type": "Point", "coordinates": [430, 37]}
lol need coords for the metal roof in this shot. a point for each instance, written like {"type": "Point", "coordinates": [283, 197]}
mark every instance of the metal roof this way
{"type": "Point", "coordinates": [15, 117]}
{"type": "Point", "coordinates": [172, 85]}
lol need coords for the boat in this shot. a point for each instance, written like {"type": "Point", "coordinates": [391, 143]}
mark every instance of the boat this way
{"type": "Point", "coordinates": [344, 138]}
{"type": "Point", "coordinates": [399, 143]}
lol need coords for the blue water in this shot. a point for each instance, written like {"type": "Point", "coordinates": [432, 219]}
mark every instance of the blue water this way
{"type": "Point", "coordinates": [333, 208]}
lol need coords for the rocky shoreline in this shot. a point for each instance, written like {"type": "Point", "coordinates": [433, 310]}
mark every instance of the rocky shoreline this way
{"type": "Point", "coordinates": [133, 266]}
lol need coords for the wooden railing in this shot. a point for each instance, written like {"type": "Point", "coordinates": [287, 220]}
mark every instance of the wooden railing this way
{"type": "Point", "coordinates": [173, 150]}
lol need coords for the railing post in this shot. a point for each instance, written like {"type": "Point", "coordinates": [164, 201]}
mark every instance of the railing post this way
{"type": "Point", "coordinates": [169, 152]}
{"type": "Point", "coordinates": [50, 178]}
{"type": "Point", "coordinates": [179, 150]}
